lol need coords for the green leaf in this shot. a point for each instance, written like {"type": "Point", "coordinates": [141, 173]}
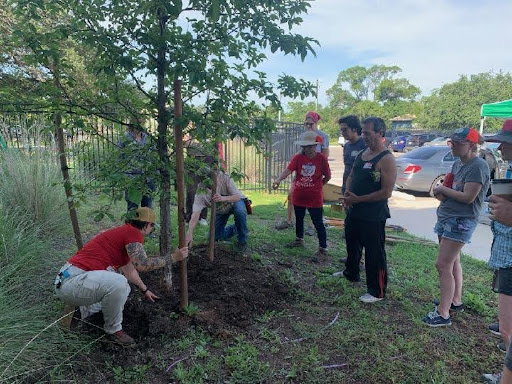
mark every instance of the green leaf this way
{"type": "Point", "coordinates": [174, 8]}
{"type": "Point", "coordinates": [214, 11]}
{"type": "Point", "coordinates": [134, 194]}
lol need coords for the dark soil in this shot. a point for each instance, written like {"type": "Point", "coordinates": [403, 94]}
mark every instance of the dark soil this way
{"type": "Point", "coordinates": [228, 294]}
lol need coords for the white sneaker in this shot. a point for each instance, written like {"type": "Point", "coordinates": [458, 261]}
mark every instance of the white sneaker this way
{"type": "Point", "coordinates": [203, 222]}
{"type": "Point", "coordinates": [367, 298]}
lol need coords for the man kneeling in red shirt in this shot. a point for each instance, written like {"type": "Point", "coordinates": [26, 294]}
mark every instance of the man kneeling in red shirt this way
{"type": "Point", "coordinates": [90, 280]}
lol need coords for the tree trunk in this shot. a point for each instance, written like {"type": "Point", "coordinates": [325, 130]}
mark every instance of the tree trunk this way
{"type": "Point", "coordinates": [180, 183]}
{"type": "Point", "coordinates": [163, 153]}
{"type": "Point", "coordinates": [213, 213]}
{"type": "Point", "coordinates": [65, 174]}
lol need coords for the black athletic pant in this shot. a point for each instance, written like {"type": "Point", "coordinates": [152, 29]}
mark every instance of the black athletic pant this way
{"type": "Point", "coordinates": [371, 236]}
{"type": "Point", "coordinates": [317, 217]}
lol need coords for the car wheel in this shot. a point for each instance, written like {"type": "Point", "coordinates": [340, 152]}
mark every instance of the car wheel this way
{"type": "Point", "coordinates": [437, 182]}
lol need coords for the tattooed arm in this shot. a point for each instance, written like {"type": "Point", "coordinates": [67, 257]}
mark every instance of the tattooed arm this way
{"type": "Point", "coordinates": [143, 263]}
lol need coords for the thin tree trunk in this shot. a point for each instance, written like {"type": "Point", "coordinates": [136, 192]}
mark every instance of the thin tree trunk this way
{"type": "Point", "coordinates": [211, 244]}
{"type": "Point", "coordinates": [65, 173]}
{"type": "Point", "coordinates": [180, 182]}
{"type": "Point", "coordinates": [163, 153]}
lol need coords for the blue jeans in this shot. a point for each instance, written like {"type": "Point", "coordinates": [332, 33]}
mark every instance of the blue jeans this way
{"type": "Point", "coordinates": [146, 200]}
{"type": "Point", "coordinates": [239, 228]}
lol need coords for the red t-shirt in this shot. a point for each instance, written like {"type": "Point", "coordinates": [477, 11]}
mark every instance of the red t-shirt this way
{"type": "Point", "coordinates": [308, 185]}
{"type": "Point", "coordinates": [107, 249]}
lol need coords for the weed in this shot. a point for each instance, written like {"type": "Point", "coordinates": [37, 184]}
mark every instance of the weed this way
{"type": "Point", "coordinates": [133, 374]}
{"type": "Point", "coordinates": [243, 363]}
{"type": "Point", "coordinates": [201, 352]}
{"type": "Point", "coordinates": [192, 375]}
{"type": "Point", "coordinates": [268, 315]}
{"type": "Point", "coordinates": [191, 310]}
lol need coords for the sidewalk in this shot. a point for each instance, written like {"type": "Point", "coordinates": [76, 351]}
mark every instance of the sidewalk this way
{"type": "Point", "coordinates": [418, 216]}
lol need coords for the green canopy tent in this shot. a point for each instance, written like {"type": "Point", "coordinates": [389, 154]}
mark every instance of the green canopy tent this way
{"type": "Point", "coordinates": [501, 109]}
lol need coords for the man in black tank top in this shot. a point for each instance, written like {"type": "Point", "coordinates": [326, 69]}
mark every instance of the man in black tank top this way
{"type": "Point", "coordinates": [369, 186]}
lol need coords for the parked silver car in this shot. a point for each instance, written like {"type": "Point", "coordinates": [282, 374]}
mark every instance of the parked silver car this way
{"type": "Point", "coordinates": [424, 168]}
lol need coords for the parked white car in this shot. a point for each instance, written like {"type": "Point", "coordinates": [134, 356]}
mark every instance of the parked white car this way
{"type": "Point", "coordinates": [341, 141]}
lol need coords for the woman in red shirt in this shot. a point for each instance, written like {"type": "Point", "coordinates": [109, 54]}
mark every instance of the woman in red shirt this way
{"type": "Point", "coordinates": [312, 172]}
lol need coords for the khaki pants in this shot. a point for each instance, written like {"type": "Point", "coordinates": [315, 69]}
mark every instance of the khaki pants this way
{"type": "Point", "coordinates": [96, 291]}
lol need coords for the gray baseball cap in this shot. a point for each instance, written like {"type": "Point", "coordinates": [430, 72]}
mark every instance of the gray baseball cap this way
{"type": "Point", "coordinates": [503, 136]}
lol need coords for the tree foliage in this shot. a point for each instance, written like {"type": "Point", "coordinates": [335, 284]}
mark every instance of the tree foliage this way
{"type": "Point", "coordinates": [129, 54]}
{"type": "Point", "coordinates": [372, 91]}
{"type": "Point", "coordinates": [375, 90]}
{"type": "Point", "coordinates": [458, 104]}
{"type": "Point", "coordinates": [375, 83]}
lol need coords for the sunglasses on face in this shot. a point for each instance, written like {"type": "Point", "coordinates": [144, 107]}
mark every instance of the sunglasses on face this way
{"type": "Point", "coordinates": [453, 142]}
{"type": "Point", "coordinates": [309, 124]}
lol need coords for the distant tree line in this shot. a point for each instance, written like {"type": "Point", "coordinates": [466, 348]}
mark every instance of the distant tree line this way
{"type": "Point", "coordinates": [378, 91]}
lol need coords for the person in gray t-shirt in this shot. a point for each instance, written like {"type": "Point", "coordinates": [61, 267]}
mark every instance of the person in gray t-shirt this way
{"type": "Point", "coordinates": [350, 128]}
{"type": "Point", "coordinates": [457, 217]}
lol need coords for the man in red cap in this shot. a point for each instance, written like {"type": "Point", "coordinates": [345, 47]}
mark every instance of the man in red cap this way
{"type": "Point", "coordinates": [310, 124]}
{"type": "Point", "coordinates": [500, 210]}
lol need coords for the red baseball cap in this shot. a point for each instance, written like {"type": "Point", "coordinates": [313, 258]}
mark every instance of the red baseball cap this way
{"type": "Point", "coordinates": [466, 134]}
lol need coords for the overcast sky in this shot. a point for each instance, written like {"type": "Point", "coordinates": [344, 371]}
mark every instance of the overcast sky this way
{"type": "Point", "coordinates": [433, 41]}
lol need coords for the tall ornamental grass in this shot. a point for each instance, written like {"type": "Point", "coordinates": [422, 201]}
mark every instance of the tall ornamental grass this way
{"type": "Point", "coordinates": [31, 189]}
{"type": "Point", "coordinates": [33, 347]}
{"type": "Point", "coordinates": [32, 343]}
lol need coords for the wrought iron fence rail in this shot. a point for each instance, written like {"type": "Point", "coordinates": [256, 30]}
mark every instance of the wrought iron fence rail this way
{"type": "Point", "coordinates": [88, 147]}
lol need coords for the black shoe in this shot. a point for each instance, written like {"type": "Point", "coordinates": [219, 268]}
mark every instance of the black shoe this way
{"type": "Point", "coordinates": [495, 328]}
{"type": "Point", "coordinates": [434, 319]}
{"type": "Point", "coordinates": [502, 347]}
{"type": "Point", "coordinates": [458, 308]}
{"type": "Point", "coordinates": [352, 280]}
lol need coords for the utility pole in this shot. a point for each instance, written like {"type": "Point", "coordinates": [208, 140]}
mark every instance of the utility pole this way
{"type": "Point", "coordinates": [279, 111]}
{"type": "Point", "coordinates": [316, 108]}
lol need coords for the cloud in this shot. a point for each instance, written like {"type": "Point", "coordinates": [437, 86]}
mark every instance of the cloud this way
{"type": "Point", "coordinates": [433, 41]}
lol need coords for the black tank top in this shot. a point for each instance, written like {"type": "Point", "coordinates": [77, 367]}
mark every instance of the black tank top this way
{"type": "Point", "coordinates": [365, 180]}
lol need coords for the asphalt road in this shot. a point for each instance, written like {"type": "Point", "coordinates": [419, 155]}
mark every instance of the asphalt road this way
{"type": "Point", "coordinates": [417, 212]}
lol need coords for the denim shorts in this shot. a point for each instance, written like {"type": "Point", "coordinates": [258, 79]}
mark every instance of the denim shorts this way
{"type": "Point", "coordinates": [456, 229]}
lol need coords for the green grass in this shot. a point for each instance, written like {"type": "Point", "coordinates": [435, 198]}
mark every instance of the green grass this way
{"type": "Point", "coordinates": [380, 343]}
{"type": "Point", "coordinates": [31, 189]}
{"type": "Point", "coordinates": [383, 343]}
{"type": "Point", "coordinates": [31, 251]}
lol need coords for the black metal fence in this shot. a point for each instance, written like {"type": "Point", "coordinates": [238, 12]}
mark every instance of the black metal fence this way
{"type": "Point", "coordinates": [89, 142]}
{"type": "Point", "coordinates": [262, 164]}
{"type": "Point", "coordinates": [86, 142]}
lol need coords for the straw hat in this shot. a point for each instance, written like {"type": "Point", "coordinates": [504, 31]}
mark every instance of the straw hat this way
{"type": "Point", "coordinates": [308, 138]}
{"type": "Point", "coordinates": [146, 214]}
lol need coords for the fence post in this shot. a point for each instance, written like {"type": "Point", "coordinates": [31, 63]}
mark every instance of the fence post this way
{"type": "Point", "coordinates": [269, 164]}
